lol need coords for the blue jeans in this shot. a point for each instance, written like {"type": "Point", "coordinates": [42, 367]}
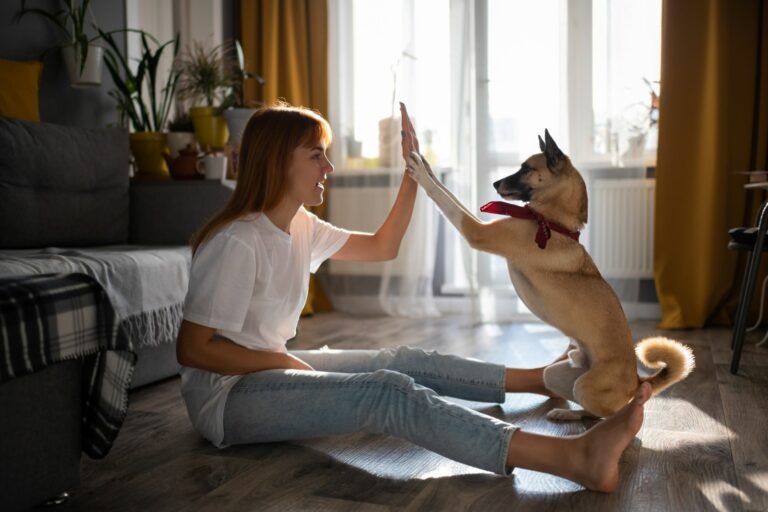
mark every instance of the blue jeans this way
{"type": "Point", "coordinates": [392, 391]}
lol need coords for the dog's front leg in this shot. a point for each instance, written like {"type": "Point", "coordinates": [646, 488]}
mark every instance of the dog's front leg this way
{"type": "Point", "coordinates": [493, 237]}
{"type": "Point", "coordinates": [471, 227]}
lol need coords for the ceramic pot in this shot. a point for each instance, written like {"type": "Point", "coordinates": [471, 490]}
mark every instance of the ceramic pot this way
{"type": "Point", "coordinates": [91, 75]}
{"type": "Point", "coordinates": [210, 130]}
{"type": "Point", "coordinates": [180, 140]}
{"type": "Point", "coordinates": [185, 165]}
{"type": "Point", "coordinates": [236, 119]}
{"type": "Point", "coordinates": [148, 149]}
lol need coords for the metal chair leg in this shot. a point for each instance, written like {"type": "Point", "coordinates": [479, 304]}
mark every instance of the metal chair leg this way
{"type": "Point", "coordinates": [748, 287]}
{"type": "Point", "coordinates": [742, 308]}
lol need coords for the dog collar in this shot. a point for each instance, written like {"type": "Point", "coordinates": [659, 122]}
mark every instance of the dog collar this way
{"type": "Point", "coordinates": [546, 227]}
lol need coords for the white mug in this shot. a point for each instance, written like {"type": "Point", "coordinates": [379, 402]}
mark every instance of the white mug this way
{"type": "Point", "coordinates": [213, 166]}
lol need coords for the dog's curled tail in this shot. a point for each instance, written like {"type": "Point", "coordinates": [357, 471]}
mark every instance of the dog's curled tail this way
{"type": "Point", "coordinates": [674, 359]}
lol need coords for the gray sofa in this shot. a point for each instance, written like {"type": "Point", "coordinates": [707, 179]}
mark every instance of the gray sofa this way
{"type": "Point", "coordinates": [67, 204]}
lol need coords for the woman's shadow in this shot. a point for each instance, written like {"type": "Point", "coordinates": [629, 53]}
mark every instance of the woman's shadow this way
{"type": "Point", "coordinates": [668, 471]}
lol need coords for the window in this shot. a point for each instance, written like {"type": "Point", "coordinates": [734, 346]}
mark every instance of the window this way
{"type": "Point", "coordinates": [484, 78]}
{"type": "Point", "coordinates": [390, 61]}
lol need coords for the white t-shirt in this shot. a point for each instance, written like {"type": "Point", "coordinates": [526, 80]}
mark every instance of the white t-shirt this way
{"type": "Point", "coordinates": [250, 282]}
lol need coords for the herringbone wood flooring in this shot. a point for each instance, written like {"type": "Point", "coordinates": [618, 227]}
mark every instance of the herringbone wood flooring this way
{"type": "Point", "coordinates": [703, 446]}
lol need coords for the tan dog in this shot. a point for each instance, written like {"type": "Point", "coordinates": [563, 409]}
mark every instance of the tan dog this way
{"type": "Point", "coordinates": [561, 284]}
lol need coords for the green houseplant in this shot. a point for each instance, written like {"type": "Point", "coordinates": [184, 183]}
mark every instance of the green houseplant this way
{"type": "Point", "coordinates": [205, 78]}
{"type": "Point", "coordinates": [82, 59]}
{"type": "Point", "coordinates": [235, 110]}
{"type": "Point", "coordinates": [143, 103]}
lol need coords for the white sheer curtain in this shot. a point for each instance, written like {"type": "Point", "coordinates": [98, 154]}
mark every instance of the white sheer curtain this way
{"type": "Point", "coordinates": [376, 60]}
{"type": "Point", "coordinates": [482, 78]}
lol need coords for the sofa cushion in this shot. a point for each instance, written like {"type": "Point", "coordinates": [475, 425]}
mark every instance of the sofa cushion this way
{"type": "Point", "coordinates": [62, 185]}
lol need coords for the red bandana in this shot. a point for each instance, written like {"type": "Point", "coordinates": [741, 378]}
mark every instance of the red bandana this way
{"type": "Point", "coordinates": [526, 212]}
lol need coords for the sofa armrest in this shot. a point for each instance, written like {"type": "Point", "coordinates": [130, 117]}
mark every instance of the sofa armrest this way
{"type": "Point", "coordinates": [169, 212]}
{"type": "Point", "coordinates": [40, 435]}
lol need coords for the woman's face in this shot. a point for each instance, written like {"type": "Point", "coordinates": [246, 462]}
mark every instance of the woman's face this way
{"type": "Point", "coordinates": [309, 169]}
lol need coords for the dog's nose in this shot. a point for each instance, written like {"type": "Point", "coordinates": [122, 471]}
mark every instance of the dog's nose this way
{"type": "Point", "coordinates": [497, 184]}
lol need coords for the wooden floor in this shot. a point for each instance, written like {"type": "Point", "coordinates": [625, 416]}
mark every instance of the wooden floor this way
{"type": "Point", "coordinates": [703, 446]}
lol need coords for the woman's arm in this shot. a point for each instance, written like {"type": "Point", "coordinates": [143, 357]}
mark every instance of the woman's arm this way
{"type": "Point", "coordinates": [196, 348]}
{"type": "Point", "coordinates": [385, 243]}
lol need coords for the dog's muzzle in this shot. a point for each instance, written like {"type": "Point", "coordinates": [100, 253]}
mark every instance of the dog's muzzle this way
{"type": "Point", "coordinates": [512, 188]}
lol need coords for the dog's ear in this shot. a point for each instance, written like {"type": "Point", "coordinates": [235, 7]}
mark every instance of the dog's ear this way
{"type": "Point", "coordinates": [551, 151]}
{"type": "Point", "coordinates": [542, 146]}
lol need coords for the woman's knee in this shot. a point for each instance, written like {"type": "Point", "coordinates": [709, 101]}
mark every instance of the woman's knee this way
{"type": "Point", "coordinates": [415, 356]}
{"type": "Point", "coordinates": [392, 378]}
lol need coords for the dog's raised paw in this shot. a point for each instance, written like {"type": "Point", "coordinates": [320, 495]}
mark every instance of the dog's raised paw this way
{"type": "Point", "coordinates": [565, 415]}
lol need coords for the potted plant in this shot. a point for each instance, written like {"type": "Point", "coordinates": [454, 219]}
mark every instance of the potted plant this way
{"type": "Point", "coordinates": [142, 102]}
{"type": "Point", "coordinates": [234, 108]}
{"type": "Point", "coordinates": [206, 77]}
{"type": "Point", "coordinates": [81, 58]}
{"type": "Point", "coordinates": [181, 133]}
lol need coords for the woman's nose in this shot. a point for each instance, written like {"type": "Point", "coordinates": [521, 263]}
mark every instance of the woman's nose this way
{"type": "Point", "coordinates": [328, 167]}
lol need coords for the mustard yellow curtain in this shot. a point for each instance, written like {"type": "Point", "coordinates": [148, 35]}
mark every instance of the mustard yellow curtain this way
{"type": "Point", "coordinates": [286, 42]}
{"type": "Point", "coordinates": [713, 121]}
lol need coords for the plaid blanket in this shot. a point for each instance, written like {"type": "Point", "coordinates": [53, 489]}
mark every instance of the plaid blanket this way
{"type": "Point", "coordinates": [47, 318]}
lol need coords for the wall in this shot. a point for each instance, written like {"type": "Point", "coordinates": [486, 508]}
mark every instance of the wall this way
{"type": "Point", "coordinates": [35, 36]}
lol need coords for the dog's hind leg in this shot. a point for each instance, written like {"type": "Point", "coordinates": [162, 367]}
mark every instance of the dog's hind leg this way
{"type": "Point", "coordinates": [603, 391]}
{"type": "Point", "coordinates": [560, 378]}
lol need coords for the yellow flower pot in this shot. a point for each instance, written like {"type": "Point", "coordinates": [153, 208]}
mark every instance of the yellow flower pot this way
{"type": "Point", "coordinates": [210, 131]}
{"type": "Point", "coordinates": [147, 149]}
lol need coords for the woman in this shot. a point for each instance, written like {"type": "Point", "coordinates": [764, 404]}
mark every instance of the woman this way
{"type": "Point", "coordinates": [248, 283]}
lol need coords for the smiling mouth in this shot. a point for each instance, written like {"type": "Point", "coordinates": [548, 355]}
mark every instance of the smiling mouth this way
{"type": "Point", "coordinates": [321, 184]}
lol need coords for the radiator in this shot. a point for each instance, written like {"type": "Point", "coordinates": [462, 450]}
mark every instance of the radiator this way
{"type": "Point", "coordinates": [622, 227]}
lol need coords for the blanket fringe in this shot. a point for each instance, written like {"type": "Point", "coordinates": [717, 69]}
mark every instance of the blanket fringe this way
{"type": "Point", "coordinates": [153, 328]}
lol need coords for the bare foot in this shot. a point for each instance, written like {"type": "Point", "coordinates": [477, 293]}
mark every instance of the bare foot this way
{"type": "Point", "coordinates": [603, 444]}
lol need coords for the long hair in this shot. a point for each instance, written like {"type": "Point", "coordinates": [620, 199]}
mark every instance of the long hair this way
{"type": "Point", "coordinates": [266, 152]}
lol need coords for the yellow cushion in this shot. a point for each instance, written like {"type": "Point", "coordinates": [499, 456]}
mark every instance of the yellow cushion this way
{"type": "Point", "coordinates": [19, 88]}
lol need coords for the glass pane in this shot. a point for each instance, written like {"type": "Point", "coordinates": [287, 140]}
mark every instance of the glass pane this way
{"type": "Point", "coordinates": [525, 69]}
{"type": "Point", "coordinates": [626, 56]}
{"type": "Point", "coordinates": [377, 46]}
{"type": "Point", "coordinates": [393, 61]}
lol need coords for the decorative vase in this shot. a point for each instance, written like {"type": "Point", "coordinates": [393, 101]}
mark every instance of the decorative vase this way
{"type": "Point", "coordinates": [185, 166]}
{"type": "Point", "coordinates": [148, 149]}
{"type": "Point", "coordinates": [210, 130]}
{"type": "Point", "coordinates": [180, 140]}
{"type": "Point", "coordinates": [390, 149]}
{"type": "Point", "coordinates": [91, 75]}
{"type": "Point", "coordinates": [236, 119]}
